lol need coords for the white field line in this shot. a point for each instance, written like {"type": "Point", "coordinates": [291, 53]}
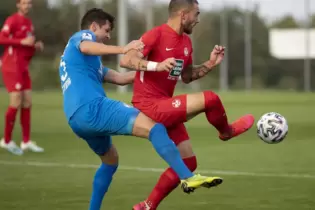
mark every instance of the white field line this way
{"type": "Point", "coordinates": [156, 170]}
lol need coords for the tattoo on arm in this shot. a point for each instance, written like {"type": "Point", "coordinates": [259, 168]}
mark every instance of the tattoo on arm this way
{"type": "Point", "coordinates": [192, 73]}
{"type": "Point", "coordinates": [132, 60]}
{"type": "Point", "coordinates": [199, 71]}
{"type": "Point", "coordinates": [141, 65]}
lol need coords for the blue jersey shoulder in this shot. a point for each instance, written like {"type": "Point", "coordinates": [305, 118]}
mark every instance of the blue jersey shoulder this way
{"type": "Point", "coordinates": [81, 75]}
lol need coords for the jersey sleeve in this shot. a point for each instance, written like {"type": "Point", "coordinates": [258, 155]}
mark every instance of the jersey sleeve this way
{"type": "Point", "coordinates": [190, 58]}
{"type": "Point", "coordinates": [6, 31]}
{"type": "Point", "coordinates": [149, 39]}
{"type": "Point", "coordinates": [105, 71]}
{"type": "Point", "coordinates": [83, 36]}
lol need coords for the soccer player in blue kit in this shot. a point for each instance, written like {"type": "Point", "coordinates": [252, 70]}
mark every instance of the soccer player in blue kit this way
{"type": "Point", "coordinates": [95, 118]}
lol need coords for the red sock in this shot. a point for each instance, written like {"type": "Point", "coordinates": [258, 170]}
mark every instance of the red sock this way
{"type": "Point", "coordinates": [167, 183]}
{"type": "Point", "coordinates": [215, 112]}
{"type": "Point", "coordinates": [26, 123]}
{"type": "Point", "coordinates": [9, 123]}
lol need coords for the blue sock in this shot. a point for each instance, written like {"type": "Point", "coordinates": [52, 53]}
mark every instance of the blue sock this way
{"type": "Point", "coordinates": [167, 150]}
{"type": "Point", "coordinates": [102, 179]}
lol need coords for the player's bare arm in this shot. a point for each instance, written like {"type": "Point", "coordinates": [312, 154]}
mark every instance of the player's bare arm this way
{"type": "Point", "coordinates": [134, 60]}
{"type": "Point", "coordinates": [119, 78]}
{"type": "Point", "coordinates": [192, 72]}
{"type": "Point", "coordinates": [94, 48]}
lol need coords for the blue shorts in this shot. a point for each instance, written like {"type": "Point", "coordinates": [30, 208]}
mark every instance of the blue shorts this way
{"type": "Point", "coordinates": [100, 119]}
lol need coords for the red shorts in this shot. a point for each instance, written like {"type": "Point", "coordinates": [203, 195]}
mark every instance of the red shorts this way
{"type": "Point", "coordinates": [16, 81]}
{"type": "Point", "coordinates": [170, 112]}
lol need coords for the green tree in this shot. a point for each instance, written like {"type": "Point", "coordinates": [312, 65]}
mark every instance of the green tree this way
{"type": "Point", "coordinates": [285, 22]}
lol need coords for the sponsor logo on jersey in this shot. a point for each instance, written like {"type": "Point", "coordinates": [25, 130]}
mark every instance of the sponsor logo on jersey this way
{"type": "Point", "coordinates": [87, 36]}
{"type": "Point", "coordinates": [177, 70]}
{"type": "Point", "coordinates": [186, 52]}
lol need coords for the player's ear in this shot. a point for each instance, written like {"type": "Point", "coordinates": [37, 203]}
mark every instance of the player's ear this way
{"type": "Point", "coordinates": [183, 15]}
{"type": "Point", "coordinates": [93, 26]}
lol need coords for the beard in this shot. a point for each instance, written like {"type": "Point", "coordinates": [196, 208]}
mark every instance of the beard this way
{"type": "Point", "coordinates": [188, 28]}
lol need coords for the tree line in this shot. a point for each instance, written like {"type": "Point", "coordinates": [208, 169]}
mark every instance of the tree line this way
{"type": "Point", "coordinates": [54, 25]}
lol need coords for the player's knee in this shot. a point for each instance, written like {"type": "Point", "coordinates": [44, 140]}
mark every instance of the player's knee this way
{"type": "Point", "coordinates": [157, 129]}
{"type": "Point", "coordinates": [143, 126]}
{"type": "Point", "coordinates": [26, 102]}
{"type": "Point", "coordinates": [160, 139]}
{"type": "Point", "coordinates": [111, 157]}
{"type": "Point", "coordinates": [211, 99]}
{"type": "Point", "coordinates": [16, 99]}
{"type": "Point", "coordinates": [26, 99]}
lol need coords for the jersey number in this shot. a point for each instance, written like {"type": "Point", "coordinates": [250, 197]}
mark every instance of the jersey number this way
{"type": "Point", "coordinates": [65, 79]}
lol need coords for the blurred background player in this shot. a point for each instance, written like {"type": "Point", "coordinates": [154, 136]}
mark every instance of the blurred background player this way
{"type": "Point", "coordinates": [17, 36]}
{"type": "Point", "coordinates": [153, 91]}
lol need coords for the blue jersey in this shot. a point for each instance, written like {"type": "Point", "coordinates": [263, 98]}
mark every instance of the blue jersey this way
{"type": "Point", "coordinates": [81, 75]}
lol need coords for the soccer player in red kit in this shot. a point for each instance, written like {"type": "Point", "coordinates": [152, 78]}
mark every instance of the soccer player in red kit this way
{"type": "Point", "coordinates": [168, 46]}
{"type": "Point", "coordinates": [17, 36]}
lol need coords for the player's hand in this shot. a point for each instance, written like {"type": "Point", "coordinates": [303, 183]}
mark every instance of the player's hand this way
{"type": "Point", "coordinates": [167, 65]}
{"type": "Point", "coordinates": [28, 41]}
{"type": "Point", "coordinates": [133, 45]}
{"type": "Point", "coordinates": [216, 56]}
{"type": "Point", "coordinates": [39, 45]}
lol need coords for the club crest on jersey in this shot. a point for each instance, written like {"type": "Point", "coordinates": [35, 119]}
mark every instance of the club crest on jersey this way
{"type": "Point", "coordinates": [18, 86]}
{"type": "Point", "coordinates": [6, 28]}
{"type": "Point", "coordinates": [176, 103]}
{"type": "Point", "coordinates": [186, 52]}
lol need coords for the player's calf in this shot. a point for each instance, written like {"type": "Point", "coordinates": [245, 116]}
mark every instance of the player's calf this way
{"type": "Point", "coordinates": [210, 103]}
{"type": "Point", "coordinates": [111, 157]}
{"type": "Point", "coordinates": [103, 177]}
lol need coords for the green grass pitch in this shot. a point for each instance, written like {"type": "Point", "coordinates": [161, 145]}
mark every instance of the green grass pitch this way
{"type": "Point", "coordinates": [257, 176]}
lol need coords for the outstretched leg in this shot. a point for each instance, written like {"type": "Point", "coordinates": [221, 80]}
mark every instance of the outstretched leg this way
{"type": "Point", "coordinates": [210, 103]}
{"type": "Point", "coordinates": [180, 109]}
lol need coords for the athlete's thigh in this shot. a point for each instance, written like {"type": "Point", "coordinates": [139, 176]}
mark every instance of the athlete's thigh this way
{"type": "Point", "coordinates": [27, 89]}
{"type": "Point", "coordinates": [100, 144]}
{"type": "Point", "coordinates": [13, 81]}
{"type": "Point", "coordinates": [116, 118]}
{"type": "Point", "coordinates": [170, 111]}
{"type": "Point", "coordinates": [26, 82]}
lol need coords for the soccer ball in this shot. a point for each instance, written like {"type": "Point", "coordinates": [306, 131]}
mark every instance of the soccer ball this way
{"type": "Point", "coordinates": [272, 128]}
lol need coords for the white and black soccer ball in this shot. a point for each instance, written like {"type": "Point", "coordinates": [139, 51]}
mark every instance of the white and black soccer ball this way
{"type": "Point", "coordinates": [272, 128]}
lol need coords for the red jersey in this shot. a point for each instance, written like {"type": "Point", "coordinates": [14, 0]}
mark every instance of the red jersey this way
{"type": "Point", "coordinates": [16, 57]}
{"type": "Point", "coordinates": [162, 42]}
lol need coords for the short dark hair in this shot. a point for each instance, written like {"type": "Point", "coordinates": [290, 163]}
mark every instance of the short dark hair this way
{"type": "Point", "coordinates": [97, 15]}
{"type": "Point", "coordinates": [176, 5]}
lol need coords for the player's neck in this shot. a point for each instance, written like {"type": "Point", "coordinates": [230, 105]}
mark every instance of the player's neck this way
{"type": "Point", "coordinates": [175, 26]}
{"type": "Point", "coordinates": [22, 14]}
